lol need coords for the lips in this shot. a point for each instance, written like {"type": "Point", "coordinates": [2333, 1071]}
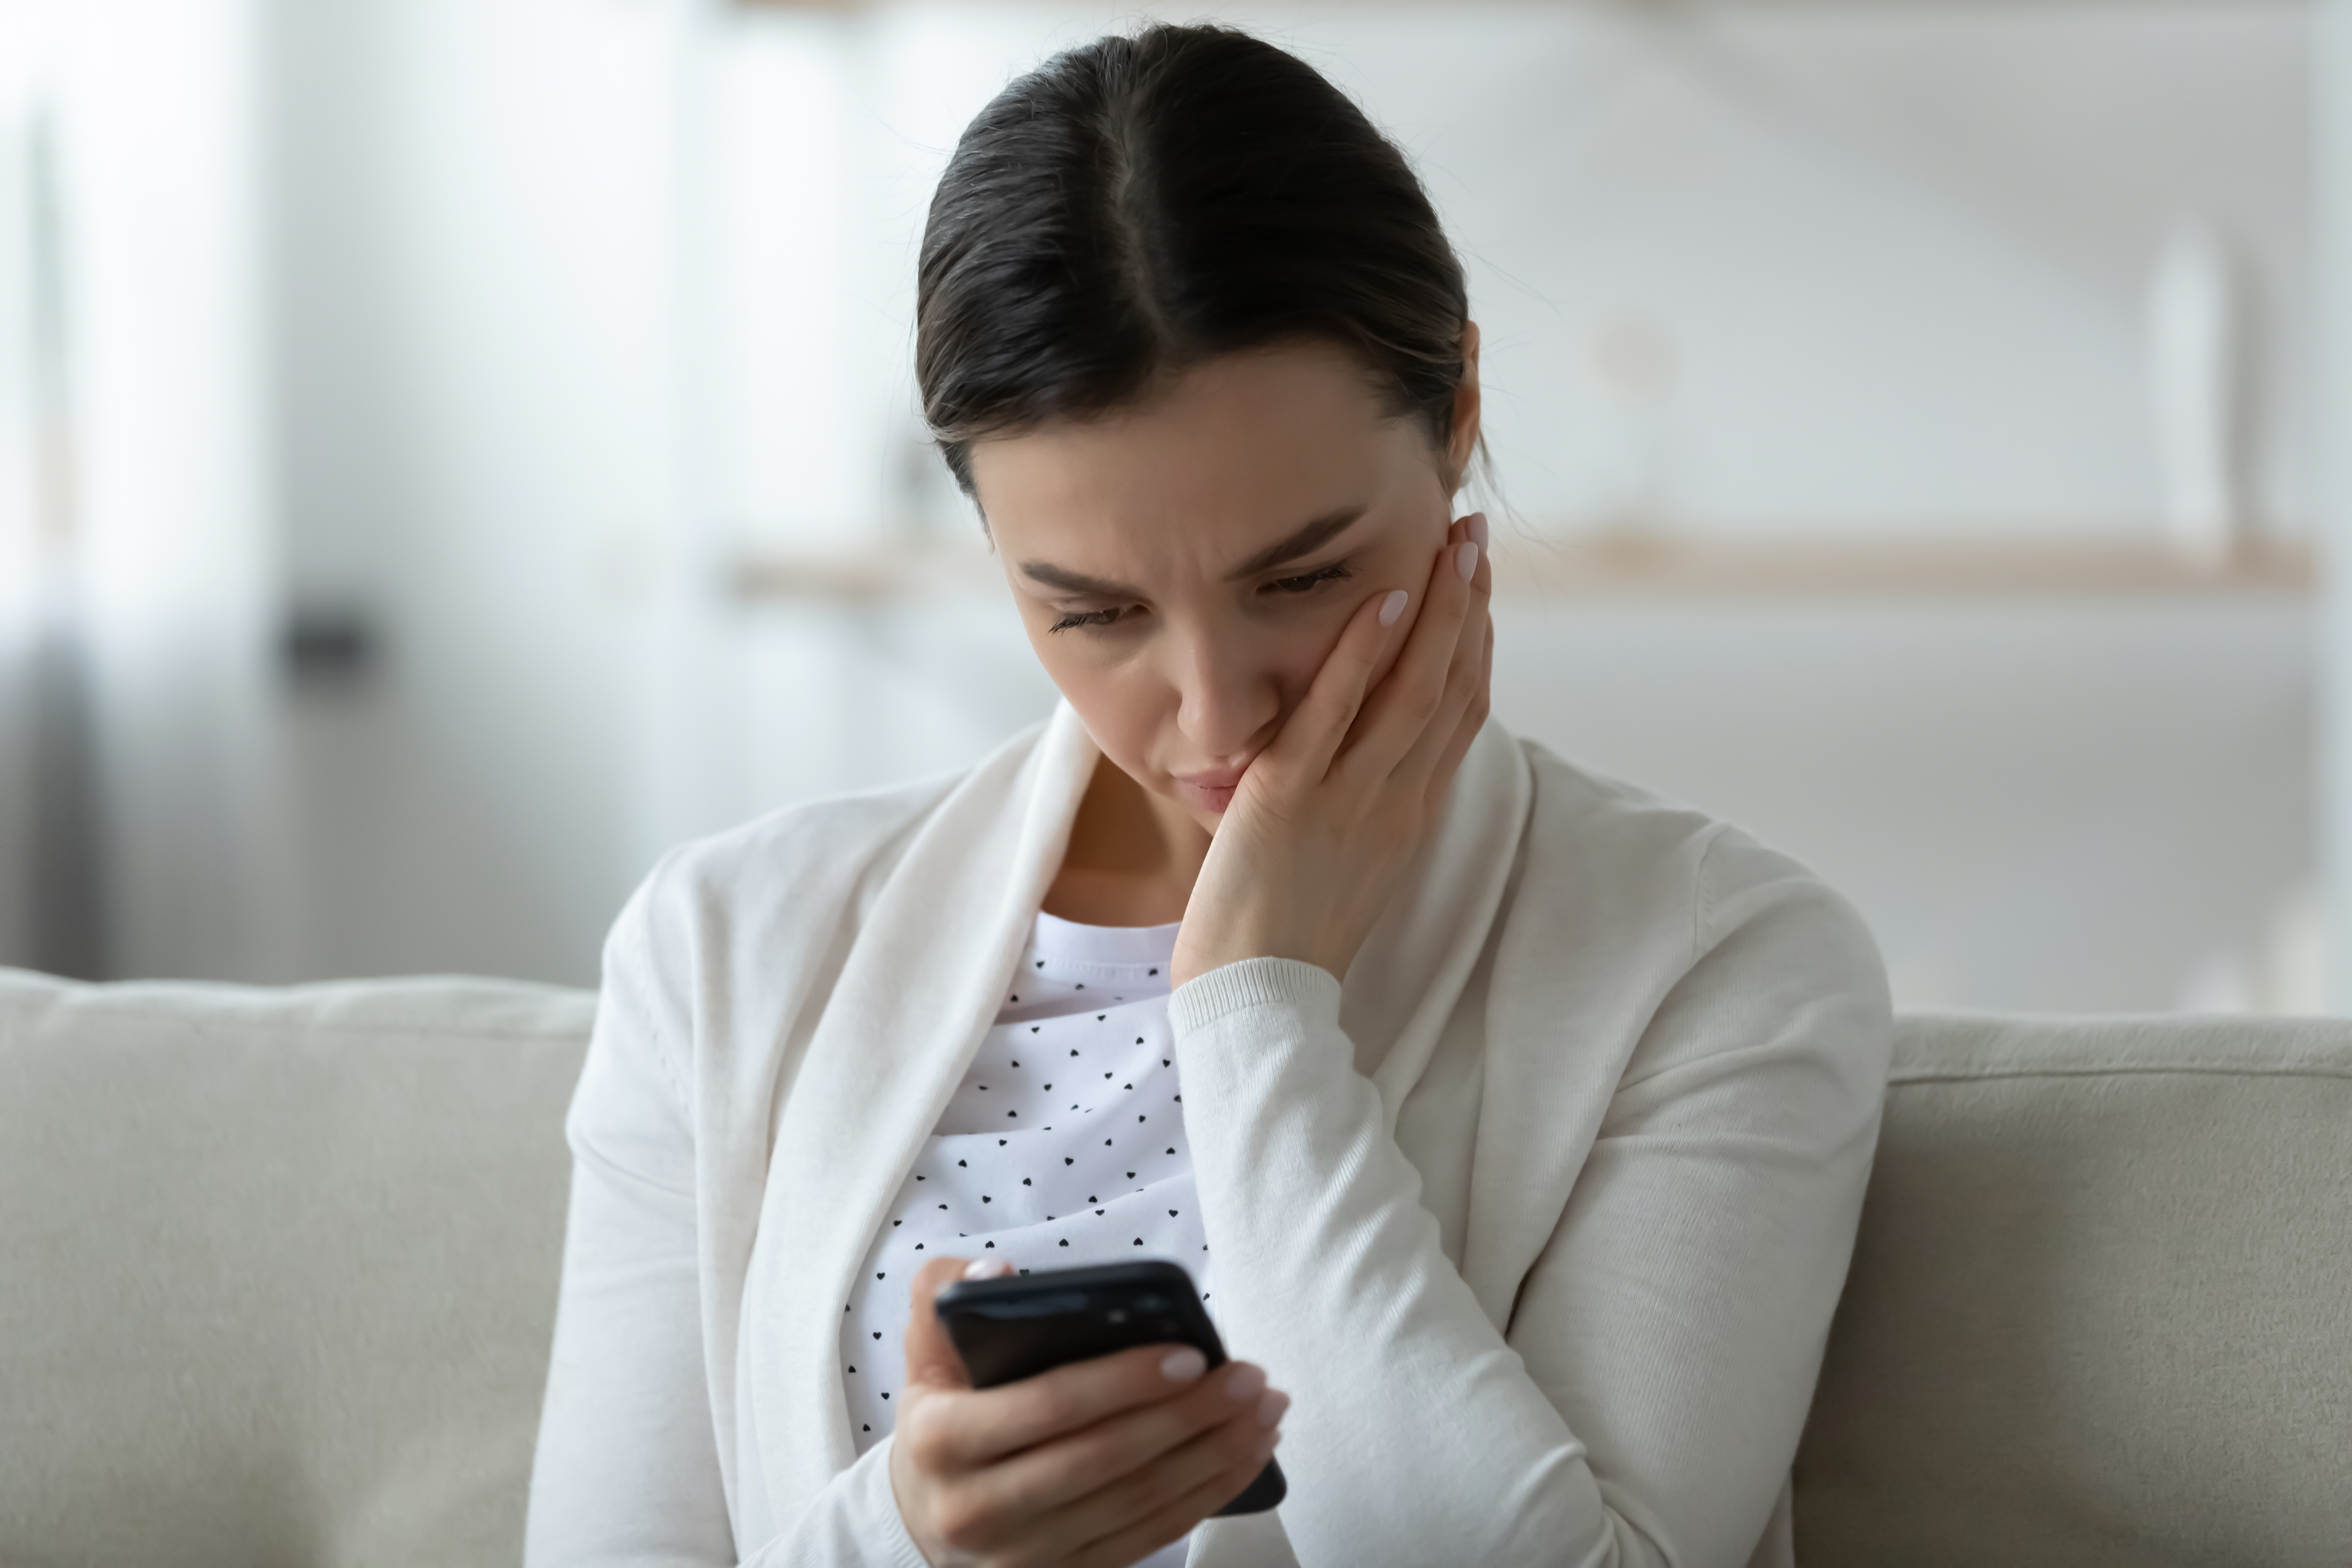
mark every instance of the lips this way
{"type": "Point", "coordinates": [1209, 791]}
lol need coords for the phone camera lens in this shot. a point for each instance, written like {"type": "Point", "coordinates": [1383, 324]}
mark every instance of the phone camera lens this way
{"type": "Point", "coordinates": [1117, 1315]}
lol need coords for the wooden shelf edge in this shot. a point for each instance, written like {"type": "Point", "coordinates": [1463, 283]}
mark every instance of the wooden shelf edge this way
{"type": "Point", "coordinates": [1895, 568]}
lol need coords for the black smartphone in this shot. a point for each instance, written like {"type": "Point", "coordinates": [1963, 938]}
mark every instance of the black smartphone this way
{"type": "Point", "coordinates": [1023, 1324]}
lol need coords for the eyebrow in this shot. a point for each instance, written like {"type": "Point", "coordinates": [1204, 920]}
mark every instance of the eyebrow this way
{"type": "Point", "coordinates": [1311, 538]}
{"type": "Point", "coordinates": [1304, 541]}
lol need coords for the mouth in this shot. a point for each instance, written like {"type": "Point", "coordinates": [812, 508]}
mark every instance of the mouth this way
{"type": "Point", "coordinates": [1209, 791]}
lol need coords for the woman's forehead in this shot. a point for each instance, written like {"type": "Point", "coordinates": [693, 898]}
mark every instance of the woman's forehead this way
{"type": "Point", "coordinates": [1230, 458]}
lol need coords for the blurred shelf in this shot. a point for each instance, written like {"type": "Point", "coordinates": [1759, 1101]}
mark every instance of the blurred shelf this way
{"type": "Point", "coordinates": [1650, 566]}
{"type": "Point", "coordinates": [1858, 568]}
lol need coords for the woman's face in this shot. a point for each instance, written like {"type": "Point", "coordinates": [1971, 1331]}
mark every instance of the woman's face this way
{"type": "Point", "coordinates": [1183, 567]}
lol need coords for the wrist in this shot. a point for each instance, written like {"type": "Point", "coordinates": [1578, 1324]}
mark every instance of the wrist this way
{"type": "Point", "coordinates": [932, 1552]}
{"type": "Point", "coordinates": [1225, 948]}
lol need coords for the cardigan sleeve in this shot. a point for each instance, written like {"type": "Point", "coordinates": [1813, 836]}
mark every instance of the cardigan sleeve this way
{"type": "Point", "coordinates": [626, 1469]}
{"type": "Point", "coordinates": [1646, 1401]}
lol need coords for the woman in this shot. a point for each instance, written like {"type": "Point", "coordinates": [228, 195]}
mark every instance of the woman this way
{"type": "Point", "coordinates": [1524, 1117]}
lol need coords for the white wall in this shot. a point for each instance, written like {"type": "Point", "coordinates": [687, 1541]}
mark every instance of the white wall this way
{"type": "Point", "coordinates": [573, 301]}
{"type": "Point", "coordinates": [2058, 804]}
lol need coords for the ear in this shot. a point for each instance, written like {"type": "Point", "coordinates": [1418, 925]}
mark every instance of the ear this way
{"type": "Point", "coordinates": [1463, 441]}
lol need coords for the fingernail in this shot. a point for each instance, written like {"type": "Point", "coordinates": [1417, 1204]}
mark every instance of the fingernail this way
{"type": "Point", "coordinates": [1465, 558]}
{"type": "Point", "coordinates": [1270, 1406]}
{"type": "Point", "coordinates": [1477, 521]}
{"type": "Point", "coordinates": [1244, 1382]}
{"type": "Point", "coordinates": [1184, 1365]}
{"type": "Point", "coordinates": [1392, 607]}
{"type": "Point", "coordinates": [987, 1268]}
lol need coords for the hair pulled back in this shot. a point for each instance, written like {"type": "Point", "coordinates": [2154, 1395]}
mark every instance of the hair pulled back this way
{"type": "Point", "coordinates": [1143, 204]}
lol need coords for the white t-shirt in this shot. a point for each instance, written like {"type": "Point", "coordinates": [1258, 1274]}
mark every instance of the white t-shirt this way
{"type": "Point", "coordinates": [1062, 1148]}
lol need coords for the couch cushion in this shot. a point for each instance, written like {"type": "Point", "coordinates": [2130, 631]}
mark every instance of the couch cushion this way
{"type": "Point", "coordinates": [2100, 1304]}
{"type": "Point", "coordinates": [278, 1267]}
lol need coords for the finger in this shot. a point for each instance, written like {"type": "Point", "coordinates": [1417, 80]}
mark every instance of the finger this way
{"type": "Point", "coordinates": [931, 1358]}
{"type": "Point", "coordinates": [1325, 725]}
{"type": "Point", "coordinates": [1313, 733]}
{"type": "Point", "coordinates": [990, 1423]}
{"type": "Point", "coordinates": [1069, 1468]}
{"type": "Point", "coordinates": [1467, 685]}
{"type": "Point", "coordinates": [1399, 710]}
{"type": "Point", "coordinates": [1467, 726]}
{"type": "Point", "coordinates": [1187, 1509]}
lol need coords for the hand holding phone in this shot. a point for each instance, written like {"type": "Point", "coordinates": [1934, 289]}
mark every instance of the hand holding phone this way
{"type": "Point", "coordinates": [1095, 1463]}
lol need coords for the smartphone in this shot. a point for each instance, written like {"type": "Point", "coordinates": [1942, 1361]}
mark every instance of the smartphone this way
{"type": "Point", "coordinates": [1023, 1324]}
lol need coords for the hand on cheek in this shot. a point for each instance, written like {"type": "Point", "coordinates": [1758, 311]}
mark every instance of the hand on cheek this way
{"type": "Point", "coordinates": [1473, 528]}
{"type": "Point", "coordinates": [1331, 812]}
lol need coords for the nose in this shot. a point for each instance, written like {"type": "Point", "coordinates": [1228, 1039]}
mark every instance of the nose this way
{"type": "Point", "coordinates": [1227, 705]}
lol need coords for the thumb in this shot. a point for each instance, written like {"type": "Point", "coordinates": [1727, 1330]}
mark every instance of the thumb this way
{"type": "Point", "coordinates": [931, 1359]}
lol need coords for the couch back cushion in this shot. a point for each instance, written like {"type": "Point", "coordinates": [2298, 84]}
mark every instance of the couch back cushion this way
{"type": "Point", "coordinates": [2100, 1310]}
{"type": "Point", "coordinates": [278, 1267]}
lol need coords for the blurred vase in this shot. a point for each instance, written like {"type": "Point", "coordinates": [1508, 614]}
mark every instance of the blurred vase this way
{"type": "Point", "coordinates": [2196, 386]}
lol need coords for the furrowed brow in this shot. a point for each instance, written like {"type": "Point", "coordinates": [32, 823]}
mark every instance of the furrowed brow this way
{"type": "Point", "coordinates": [1312, 537]}
{"type": "Point", "coordinates": [1046, 574]}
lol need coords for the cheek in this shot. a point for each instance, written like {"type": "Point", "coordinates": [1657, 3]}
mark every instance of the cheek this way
{"type": "Point", "coordinates": [1120, 702]}
{"type": "Point", "coordinates": [1293, 658]}
{"type": "Point", "coordinates": [1132, 704]}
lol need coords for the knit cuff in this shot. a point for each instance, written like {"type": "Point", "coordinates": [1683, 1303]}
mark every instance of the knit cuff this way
{"type": "Point", "coordinates": [1252, 982]}
{"type": "Point", "coordinates": [895, 1545]}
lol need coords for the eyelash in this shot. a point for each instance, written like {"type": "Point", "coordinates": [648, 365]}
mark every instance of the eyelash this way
{"type": "Point", "coordinates": [1335, 573]}
{"type": "Point", "coordinates": [1085, 618]}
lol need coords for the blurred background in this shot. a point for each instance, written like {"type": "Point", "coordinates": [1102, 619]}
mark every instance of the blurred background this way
{"type": "Point", "coordinates": [452, 449]}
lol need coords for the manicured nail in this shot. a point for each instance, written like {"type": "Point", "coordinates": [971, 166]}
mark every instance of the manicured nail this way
{"type": "Point", "coordinates": [1184, 1365]}
{"type": "Point", "coordinates": [1465, 558]}
{"type": "Point", "coordinates": [1246, 1381]}
{"type": "Point", "coordinates": [1270, 1406]}
{"type": "Point", "coordinates": [1392, 607]}
{"type": "Point", "coordinates": [1477, 521]}
{"type": "Point", "coordinates": [987, 1268]}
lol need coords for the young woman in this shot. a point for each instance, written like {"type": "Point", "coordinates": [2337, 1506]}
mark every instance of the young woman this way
{"type": "Point", "coordinates": [1513, 1123]}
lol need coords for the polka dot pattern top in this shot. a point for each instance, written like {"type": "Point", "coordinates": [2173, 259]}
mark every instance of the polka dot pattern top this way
{"type": "Point", "coordinates": [1063, 1147]}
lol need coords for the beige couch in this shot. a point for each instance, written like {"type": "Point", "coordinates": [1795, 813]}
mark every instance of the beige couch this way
{"type": "Point", "coordinates": [277, 1268]}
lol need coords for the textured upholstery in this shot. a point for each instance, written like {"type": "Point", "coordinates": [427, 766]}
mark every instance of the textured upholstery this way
{"type": "Point", "coordinates": [277, 1270]}
{"type": "Point", "coordinates": [2100, 1310]}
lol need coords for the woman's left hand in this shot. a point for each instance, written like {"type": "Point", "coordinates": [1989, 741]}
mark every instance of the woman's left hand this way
{"type": "Point", "coordinates": [1326, 818]}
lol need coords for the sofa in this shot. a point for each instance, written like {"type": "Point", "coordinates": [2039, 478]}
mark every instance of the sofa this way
{"type": "Point", "coordinates": [277, 1270]}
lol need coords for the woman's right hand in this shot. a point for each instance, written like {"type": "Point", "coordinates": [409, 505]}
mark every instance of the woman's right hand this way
{"type": "Point", "coordinates": [1096, 1464]}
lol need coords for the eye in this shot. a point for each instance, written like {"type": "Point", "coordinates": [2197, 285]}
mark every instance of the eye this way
{"type": "Point", "coordinates": [1334, 573]}
{"type": "Point", "coordinates": [1077, 619]}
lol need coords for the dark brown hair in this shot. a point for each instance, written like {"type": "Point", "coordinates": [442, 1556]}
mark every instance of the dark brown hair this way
{"type": "Point", "coordinates": [1143, 204]}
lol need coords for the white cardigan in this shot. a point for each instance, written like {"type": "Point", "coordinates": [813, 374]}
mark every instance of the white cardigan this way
{"type": "Point", "coordinates": [1540, 1218]}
